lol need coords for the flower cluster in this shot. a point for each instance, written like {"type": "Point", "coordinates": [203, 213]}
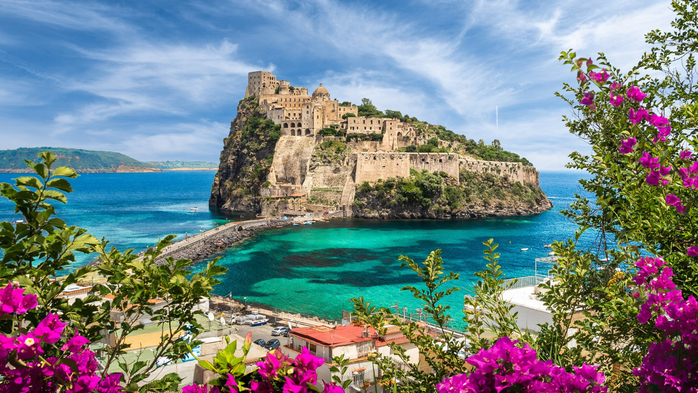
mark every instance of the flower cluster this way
{"type": "Point", "coordinates": [670, 365]}
{"type": "Point", "coordinates": [657, 174]}
{"type": "Point", "coordinates": [506, 367]}
{"type": "Point", "coordinates": [28, 365]}
{"type": "Point", "coordinates": [276, 371]}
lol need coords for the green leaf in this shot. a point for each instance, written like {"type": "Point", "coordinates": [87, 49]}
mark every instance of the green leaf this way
{"type": "Point", "coordinates": [64, 171]}
{"type": "Point", "coordinates": [29, 181]}
{"type": "Point", "coordinates": [60, 184]}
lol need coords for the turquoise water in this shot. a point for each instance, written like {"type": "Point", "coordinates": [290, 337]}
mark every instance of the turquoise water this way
{"type": "Point", "coordinates": [311, 269]}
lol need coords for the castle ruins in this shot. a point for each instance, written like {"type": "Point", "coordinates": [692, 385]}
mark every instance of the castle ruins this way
{"type": "Point", "coordinates": [302, 117]}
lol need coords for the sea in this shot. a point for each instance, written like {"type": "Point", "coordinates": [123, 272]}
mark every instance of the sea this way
{"type": "Point", "coordinates": [315, 269]}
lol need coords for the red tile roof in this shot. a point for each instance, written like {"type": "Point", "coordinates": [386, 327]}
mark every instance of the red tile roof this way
{"type": "Point", "coordinates": [337, 337]}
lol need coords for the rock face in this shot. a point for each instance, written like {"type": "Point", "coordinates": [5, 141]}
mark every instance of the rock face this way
{"type": "Point", "coordinates": [245, 161]}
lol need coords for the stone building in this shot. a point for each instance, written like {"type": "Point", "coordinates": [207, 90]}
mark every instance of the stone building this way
{"type": "Point", "coordinates": [292, 108]}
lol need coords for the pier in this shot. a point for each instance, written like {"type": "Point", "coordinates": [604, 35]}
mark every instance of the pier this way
{"type": "Point", "coordinates": [205, 244]}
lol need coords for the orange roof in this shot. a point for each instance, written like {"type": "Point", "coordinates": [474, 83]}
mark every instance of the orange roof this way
{"type": "Point", "coordinates": [329, 337]}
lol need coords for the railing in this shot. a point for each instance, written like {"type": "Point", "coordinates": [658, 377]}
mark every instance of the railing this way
{"type": "Point", "coordinates": [522, 282]}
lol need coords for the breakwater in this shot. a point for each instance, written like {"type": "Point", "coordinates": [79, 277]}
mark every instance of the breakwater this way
{"type": "Point", "coordinates": [213, 241]}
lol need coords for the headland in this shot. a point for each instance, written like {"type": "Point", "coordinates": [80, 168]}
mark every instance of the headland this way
{"type": "Point", "coordinates": [291, 153]}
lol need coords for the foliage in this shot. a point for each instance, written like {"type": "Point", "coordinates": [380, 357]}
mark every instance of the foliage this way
{"type": "Point", "coordinates": [346, 115]}
{"type": "Point", "coordinates": [35, 252]}
{"type": "Point", "coordinates": [330, 131]}
{"type": "Point", "coordinates": [275, 373]}
{"type": "Point", "coordinates": [365, 137]}
{"type": "Point", "coordinates": [368, 109]}
{"type": "Point", "coordinates": [80, 160]}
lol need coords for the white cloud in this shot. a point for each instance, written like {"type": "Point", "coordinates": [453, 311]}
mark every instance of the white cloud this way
{"type": "Point", "coordinates": [186, 140]}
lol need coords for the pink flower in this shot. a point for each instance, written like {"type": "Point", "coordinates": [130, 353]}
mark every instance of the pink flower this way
{"type": "Point", "coordinates": [672, 200]}
{"type": "Point", "coordinates": [616, 100]}
{"type": "Point", "coordinates": [636, 94]}
{"type": "Point", "coordinates": [627, 145]}
{"type": "Point", "coordinates": [615, 86]}
{"type": "Point", "coordinates": [653, 178]}
{"type": "Point", "coordinates": [600, 77]}
{"type": "Point", "coordinates": [581, 77]}
{"type": "Point", "coordinates": [685, 155]}
{"type": "Point", "coordinates": [648, 161]}
{"type": "Point", "coordinates": [692, 251]}
{"type": "Point", "coordinates": [75, 344]}
{"type": "Point", "coordinates": [50, 329]}
{"type": "Point", "coordinates": [588, 99]}
{"type": "Point", "coordinates": [637, 116]}
{"type": "Point", "coordinates": [589, 62]}
{"type": "Point", "coordinates": [28, 346]}
{"type": "Point", "coordinates": [664, 170]}
{"type": "Point", "coordinates": [332, 388]}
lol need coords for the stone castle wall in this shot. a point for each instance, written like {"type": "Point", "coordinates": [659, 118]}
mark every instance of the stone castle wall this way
{"type": "Point", "coordinates": [435, 162]}
{"type": "Point", "coordinates": [515, 171]}
{"type": "Point", "coordinates": [372, 167]}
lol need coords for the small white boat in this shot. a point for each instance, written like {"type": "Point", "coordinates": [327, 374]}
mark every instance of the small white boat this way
{"type": "Point", "coordinates": [524, 249]}
{"type": "Point", "coordinates": [295, 224]}
{"type": "Point", "coordinates": [552, 253]}
{"type": "Point", "coordinates": [307, 223]}
{"type": "Point", "coordinates": [194, 209]}
{"type": "Point", "coordinates": [548, 246]}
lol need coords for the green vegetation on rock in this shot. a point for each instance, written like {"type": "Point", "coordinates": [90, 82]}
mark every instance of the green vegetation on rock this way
{"type": "Point", "coordinates": [431, 195]}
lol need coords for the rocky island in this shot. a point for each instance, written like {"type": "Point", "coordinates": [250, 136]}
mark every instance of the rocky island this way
{"type": "Point", "coordinates": [290, 153]}
{"type": "Point", "coordinates": [83, 161]}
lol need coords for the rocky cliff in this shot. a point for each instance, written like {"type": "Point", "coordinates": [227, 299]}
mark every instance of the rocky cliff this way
{"type": "Point", "coordinates": [245, 161]}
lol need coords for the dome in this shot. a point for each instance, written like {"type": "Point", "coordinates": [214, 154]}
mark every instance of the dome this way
{"type": "Point", "coordinates": [321, 91]}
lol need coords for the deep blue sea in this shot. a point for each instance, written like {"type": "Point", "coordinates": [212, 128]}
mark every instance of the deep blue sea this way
{"type": "Point", "coordinates": [312, 269]}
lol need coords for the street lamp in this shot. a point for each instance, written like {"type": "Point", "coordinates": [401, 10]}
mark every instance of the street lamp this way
{"type": "Point", "coordinates": [245, 299]}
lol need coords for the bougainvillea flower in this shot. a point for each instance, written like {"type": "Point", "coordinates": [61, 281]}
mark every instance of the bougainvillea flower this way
{"type": "Point", "coordinates": [28, 346]}
{"type": "Point", "coordinates": [581, 77]}
{"type": "Point", "coordinates": [648, 161]}
{"type": "Point", "coordinates": [589, 62]}
{"type": "Point", "coordinates": [672, 200]}
{"type": "Point", "coordinates": [637, 116]}
{"type": "Point", "coordinates": [627, 145]}
{"type": "Point", "coordinates": [600, 77]}
{"type": "Point", "coordinates": [685, 155]}
{"type": "Point", "coordinates": [616, 99]}
{"type": "Point", "coordinates": [653, 178]}
{"type": "Point", "coordinates": [615, 86]}
{"type": "Point", "coordinates": [588, 99]}
{"type": "Point", "coordinates": [75, 343]}
{"type": "Point", "coordinates": [692, 251]}
{"type": "Point", "coordinates": [636, 94]}
{"type": "Point", "coordinates": [664, 170]}
{"type": "Point", "coordinates": [50, 329]}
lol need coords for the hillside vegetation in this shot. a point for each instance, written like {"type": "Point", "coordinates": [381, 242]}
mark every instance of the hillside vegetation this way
{"type": "Point", "coordinates": [85, 161]}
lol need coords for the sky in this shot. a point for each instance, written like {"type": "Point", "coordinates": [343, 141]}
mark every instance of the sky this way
{"type": "Point", "coordinates": [161, 80]}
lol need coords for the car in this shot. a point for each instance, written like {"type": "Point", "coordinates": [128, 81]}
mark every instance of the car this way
{"type": "Point", "coordinates": [280, 331]}
{"type": "Point", "coordinates": [260, 342]}
{"type": "Point", "coordinates": [272, 344]}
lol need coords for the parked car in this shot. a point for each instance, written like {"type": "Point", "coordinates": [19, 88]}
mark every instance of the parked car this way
{"type": "Point", "coordinates": [280, 331]}
{"type": "Point", "coordinates": [260, 342]}
{"type": "Point", "coordinates": [272, 344]}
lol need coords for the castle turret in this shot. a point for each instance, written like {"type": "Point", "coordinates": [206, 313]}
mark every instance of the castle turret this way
{"type": "Point", "coordinates": [321, 93]}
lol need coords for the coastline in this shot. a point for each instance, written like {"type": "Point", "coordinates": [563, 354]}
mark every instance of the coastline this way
{"type": "Point", "coordinates": [187, 169]}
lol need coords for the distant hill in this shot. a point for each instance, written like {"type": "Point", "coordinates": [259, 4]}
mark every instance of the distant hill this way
{"type": "Point", "coordinates": [184, 165]}
{"type": "Point", "coordinates": [83, 161]}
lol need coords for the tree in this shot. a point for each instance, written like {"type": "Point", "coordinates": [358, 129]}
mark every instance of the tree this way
{"type": "Point", "coordinates": [497, 145]}
{"type": "Point", "coordinates": [36, 252]}
{"type": "Point", "coordinates": [368, 109]}
{"type": "Point", "coordinates": [344, 116]}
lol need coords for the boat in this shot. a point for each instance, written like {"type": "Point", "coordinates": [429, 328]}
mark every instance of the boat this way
{"type": "Point", "coordinates": [524, 249]}
{"type": "Point", "coordinates": [548, 245]}
{"type": "Point", "coordinates": [259, 322]}
{"type": "Point", "coordinates": [552, 253]}
{"type": "Point", "coordinates": [295, 224]}
{"type": "Point", "coordinates": [307, 223]}
{"type": "Point", "coordinates": [194, 209]}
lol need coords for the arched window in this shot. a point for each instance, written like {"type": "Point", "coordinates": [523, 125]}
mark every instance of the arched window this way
{"type": "Point", "coordinates": [285, 125]}
{"type": "Point", "coordinates": [307, 131]}
{"type": "Point", "coordinates": [399, 134]}
{"type": "Point", "coordinates": [293, 124]}
{"type": "Point", "coordinates": [293, 132]}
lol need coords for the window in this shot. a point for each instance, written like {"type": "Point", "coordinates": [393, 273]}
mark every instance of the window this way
{"type": "Point", "coordinates": [312, 347]}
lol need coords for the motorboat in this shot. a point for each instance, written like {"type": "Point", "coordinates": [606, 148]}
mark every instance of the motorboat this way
{"type": "Point", "coordinates": [548, 246]}
{"type": "Point", "coordinates": [524, 249]}
{"type": "Point", "coordinates": [194, 209]}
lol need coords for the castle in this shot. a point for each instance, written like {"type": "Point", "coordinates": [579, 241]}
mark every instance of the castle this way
{"type": "Point", "coordinates": [297, 179]}
{"type": "Point", "coordinates": [299, 114]}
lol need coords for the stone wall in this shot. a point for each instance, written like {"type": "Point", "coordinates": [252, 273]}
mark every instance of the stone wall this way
{"type": "Point", "coordinates": [515, 171]}
{"type": "Point", "coordinates": [372, 167]}
{"type": "Point", "coordinates": [435, 162]}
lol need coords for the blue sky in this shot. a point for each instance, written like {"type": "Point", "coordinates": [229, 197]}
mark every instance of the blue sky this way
{"type": "Point", "coordinates": [161, 80]}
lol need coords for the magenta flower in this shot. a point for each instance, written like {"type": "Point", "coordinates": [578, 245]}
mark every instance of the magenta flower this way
{"type": "Point", "coordinates": [672, 200]}
{"type": "Point", "coordinates": [664, 170]}
{"type": "Point", "coordinates": [332, 388]}
{"type": "Point", "coordinates": [616, 99]}
{"type": "Point", "coordinates": [692, 251]}
{"type": "Point", "coordinates": [653, 178]}
{"type": "Point", "coordinates": [600, 77]}
{"type": "Point", "coordinates": [636, 94]}
{"type": "Point", "coordinates": [28, 346]}
{"type": "Point", "coordinates": [637, 116]}
{"type": "Point", "coordinates": [13, 300]}
{"type": "Point", "coordinates": [686, 155]}
{"type": "Point", "coordinates": [589, 62]}
{"type": "Point", "coordinates": [50, 329]}
{"type": "Point", "coordinates": [588, 99]}
{"type": "Point", "coordinates": [75, 343]}
{"type": "Point", "coordinates": [648, 161]}
{"type": "Point", "coordinates": [581, 77]}
{"type": "Point", "coordinates": [627, 145]}
{"type": "Point", "coordinates": [615, 86]}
